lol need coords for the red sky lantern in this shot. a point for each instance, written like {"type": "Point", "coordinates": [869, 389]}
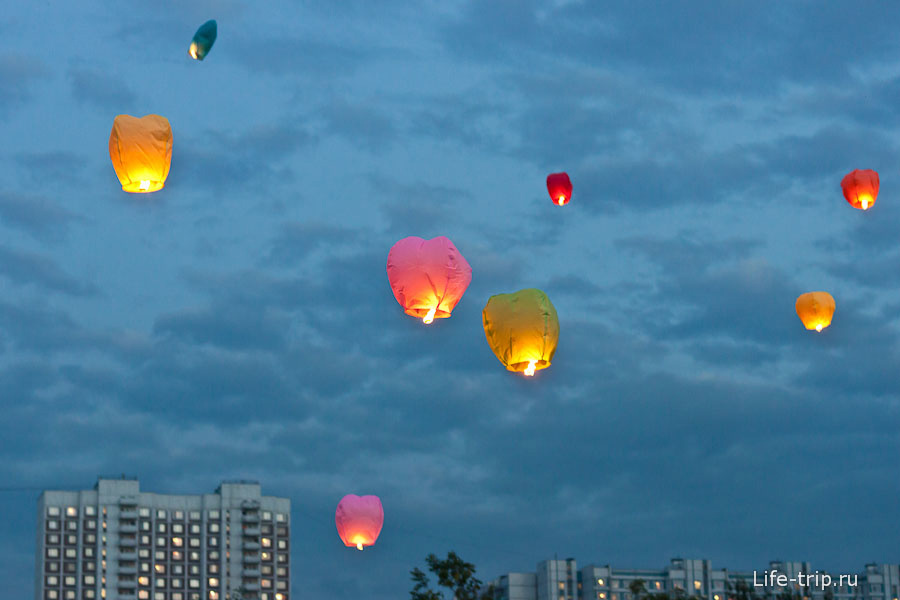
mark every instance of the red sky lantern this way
{"type": "Point", "coordinates": [428, 277]}
{"type": "Point", "coordinates": [860, 188]}
{"type": "Point", "coordinates": [359, 520]}
{"type": "Point", "coordinates": [560, 188]}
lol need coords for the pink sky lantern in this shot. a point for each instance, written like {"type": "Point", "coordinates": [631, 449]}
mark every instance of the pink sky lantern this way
{"type": "Point", "coordinates": [428, 277]}
{"type": "Point", "coordinates": [359, 520]}
{"type": "Point", "coordinates": [559, 186]}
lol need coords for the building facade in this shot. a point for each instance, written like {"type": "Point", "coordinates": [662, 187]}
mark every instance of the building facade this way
{"type": "Point", "coordinates": [116, 542]}
{"type": "Point", "coordinates": [695, 579]}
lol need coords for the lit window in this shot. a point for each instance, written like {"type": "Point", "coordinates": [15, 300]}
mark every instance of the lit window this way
{"type": "Point", "coordinates": [194, 583]}
{"type": "Point", "coordinates": [144, 512]}
{"type": "Point", "coordinates": [716, 597]}
{"type": "Point", "coordinates": [601, 595]}
{"type": "Point", "coordinates": [282, 544]}
{"type": "Point", "coordinates": [279, 596]}
{"type": "Point", "coordinates": [194, 542]}
{"type": "Point", "coordinates": [213, 582]}
{"type": "Point", "coordinates": [266, 583]}
{"type": "Point", "coordinates": [52, 580]}
{"type": "Point", "coordinates": [213, 555]}
{"type": "Point", "coordinates": [161, 527]}
{"type": "Point", "coordinates": [176, 583]}
{"type": "Point", "coordinates": [52, 594]}
{"type": "Point", "coordinates": [143, 595]}
{"type": "Point", "coordinates": [213, 514]}
{"type": "Point", "coordinates": [89, 580]}
{"type": "Point", "coordinates": [71, 511]}
{"type": "Point", "coordinates": [266, 555]}
{"type": "Point", "coordinates": [179, 514]}
{"type": "Point", "coordinates": [266, 543]}
{"type": "Point", "coordinates": [159, 568]}
{"type": "Point", "coordinates": [52, 524]}
{"type": "Point", "coordinates": [71, 553]}
{"type": "Point", "coordinates": [281, 518]}
{"type": "Point", "coordinates": [52, 511]}
{"type": "Point", "coordinates": [697, 584]}
{"type": "Point", "coordinates": [159, 596]}
{"type": "Point", "coordinates": [658, 584]}
{"type": "Point", "coordinates": [195, 515]}
{"type": "Point", "coordinates": [214, 528]}
{"type": "Point", "coordinates": [562, 585]}
{"type": "Point", "coordinates": [195, 555]}
{"type": "Point", "coordinates": [177, 528]}
{"type": "Point", "coordinates": [70, 580]}
{"type": "Point", "coordinates": [160, 514]}
{"type": "Point", "coordinates": [143, 580]}
{"type": "Point", "coordinates": [176, 555]}
{"type": "Point", "coordinates": [283, 558]}
{"type": "Point", "coordinates": [281, 585]}
{"type": "Point", "coordinates": [213, 595]}
{"type": "Point", "coordinates": [160, 541]}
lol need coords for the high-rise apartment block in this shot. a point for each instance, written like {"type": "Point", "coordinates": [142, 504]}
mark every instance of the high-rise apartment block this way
{"type": "Point", "coordinates": [116, 542]}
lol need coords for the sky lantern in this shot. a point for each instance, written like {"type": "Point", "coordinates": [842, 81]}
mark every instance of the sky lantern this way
{"type": "Point", "coordinates": [141, 152]}
{"type": "Point", "coordinates": [359, 520]}
{"type": "Point", "coordinates": [203, 40]}
{"type": "Point", "coordinates": [522, 329]}
{"type": "Point", "coordinates": [860, 188]}
{"type": "Point", "coordinates": [815, 309]}
{"type": "Point", "coordinates": [560, 188]}
{"type": "Point", "coordinates": [428, 277]}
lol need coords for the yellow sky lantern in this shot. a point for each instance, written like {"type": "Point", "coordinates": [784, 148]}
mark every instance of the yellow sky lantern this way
{"type": "Point", "coordinates": [141, 152]}
{"type": "Point", "coordinates": [522, 329]}
{"type": "Point", "coordinates": [815, 309]}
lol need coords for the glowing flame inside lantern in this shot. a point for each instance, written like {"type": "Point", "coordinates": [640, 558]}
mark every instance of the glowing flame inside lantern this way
{"type": "Point", "coordinates": [430, 316]}
{"type": "Point", "coordinates": [529, 370]}
{"type": "Point", "coordinates": [865, 202]}
{"type": "Point", "coordinates": [562, 200]}
{"type": "Point", "coordinates": [819, 328]}
{"type": "Point", "coordinates": [193, 50]}
{"type": "Point", "coordinates": [145, 184]}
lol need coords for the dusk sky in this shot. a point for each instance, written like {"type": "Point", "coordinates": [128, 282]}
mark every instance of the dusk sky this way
{"type": "Point", "coordinates": [239, 323]}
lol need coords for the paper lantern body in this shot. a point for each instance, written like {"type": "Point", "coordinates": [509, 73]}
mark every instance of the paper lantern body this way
{"type": "Point", "coordinates": [427, 276]}
{"type": "Point", "coordinates": [860, 188]}
{"type": "Point", "coordinates": [815, 309]}
{"type": "Point", "coordinates": [141, 152]}
{"type": "Point", "coordinates": [560, 188]}
{"type": "Point", "coordinates": [522, 329]}
{"type": "Point", "coordinates": [359, 520]}
{"type": "Point", "coordinates": [203, 40]}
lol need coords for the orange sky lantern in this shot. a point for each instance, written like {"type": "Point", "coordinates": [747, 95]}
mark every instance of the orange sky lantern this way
{"type": "Point", "coordinates": [560, 188]}
{"type": "Point", "coordinates": [428, 277]}
{"type": "Point", "coordinates": [141, 152]}
{"type": "Point", "coordinates": [815, 309]}
{"type": "Point", "coordinates": [359, 520]}
{"type": "Point", "coordinates": [522, 329]}
{"type": "Point", "coordinates": [860, 188]}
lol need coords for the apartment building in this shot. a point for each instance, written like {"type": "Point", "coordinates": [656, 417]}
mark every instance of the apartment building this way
{"type": "Point", "coordinates": [697, 579]}
{"type": "Point", "coordinates": [116, 542]}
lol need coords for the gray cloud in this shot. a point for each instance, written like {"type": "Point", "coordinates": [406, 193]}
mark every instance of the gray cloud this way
{"type": "Point", "coordinates": [28, 268]}
{"type": "Point", "coordinates": [35, 215]}
{"type": "Point", "coordinates": [100, 89]}
{"type": "Point", "coordinates": [17, 75]}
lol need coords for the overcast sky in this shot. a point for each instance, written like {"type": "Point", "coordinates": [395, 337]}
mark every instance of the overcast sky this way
{"type": "Point", "coordinates": [239, 323]}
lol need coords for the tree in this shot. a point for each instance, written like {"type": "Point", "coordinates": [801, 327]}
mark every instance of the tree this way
{"type": "Point", "coordinates": [452, 573]}
{"type": "Point", "coordinates": [637, 588]}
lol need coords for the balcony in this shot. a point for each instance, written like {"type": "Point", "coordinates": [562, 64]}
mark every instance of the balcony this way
{"type": "Point", "coordinates": [127, 583]}
{"type": "Point", "coordinates": [250, 544]}
{"type": "Point", "coordinates": [128, 501]}
{"type": "Point", "coordinates": [250, 572]}
{"type": "Point", "coordinates": [127, 542]}
{"type": "Point", "coordinates": [251, 530]}
{"type": "Point", "coordinates": [128, 528]}
{"type": "Point", "coordinates": [251, 559]}
{"type": "Point", "coordinates": [125, 594]}
{"type": "Point", "coordinates": [250, 517]}
{"type": "Point", "coordinates": [251, 586]}
{"type": "Point", "coordinates": [127, 570]}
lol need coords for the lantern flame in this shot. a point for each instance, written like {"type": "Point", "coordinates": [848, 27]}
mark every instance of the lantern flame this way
{"type": "Point", "coordinates": [430, 316]}
{"type": "Point", "coordinates": [529, 370]}
{"type": "Point", "coordinates": [562, 200]}
{"type": "Point", "coordinates": [145, 184]}
{"type": "Point", "coordinates": [819, 328]}
{"type": "Point", "coordinates": [865, 203]}
{"type": "Point", "coordinates": [359, 545]}
{"type": "Point", "coordinates": [193, 50]}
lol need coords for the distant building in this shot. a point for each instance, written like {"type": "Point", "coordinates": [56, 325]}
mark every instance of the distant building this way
{"type": "Point", "coordinates": [117, 543]}
{"type": "Point", "coordinates": [696, 579]}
